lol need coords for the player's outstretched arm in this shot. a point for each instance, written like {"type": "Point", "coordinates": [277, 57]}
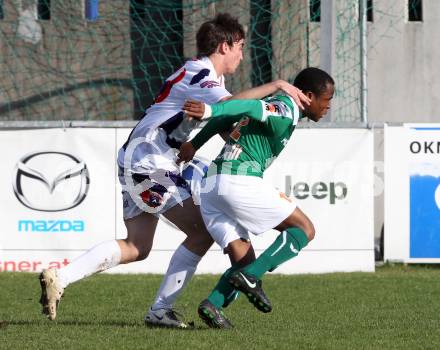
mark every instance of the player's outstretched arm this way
{"type": "Point", "coordinates": [254, 109]}
{"type": "Point", "coordinates": [270, 88]}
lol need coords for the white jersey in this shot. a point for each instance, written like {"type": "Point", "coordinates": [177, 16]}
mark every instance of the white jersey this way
{"type": "Point", "coordinates": [196, 80]}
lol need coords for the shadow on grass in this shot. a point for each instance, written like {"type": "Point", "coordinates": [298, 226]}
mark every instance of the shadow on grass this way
{"type": "Point", "coordinates": [109, 323]}
{"type": "Point", "coordinates": [72, 323]}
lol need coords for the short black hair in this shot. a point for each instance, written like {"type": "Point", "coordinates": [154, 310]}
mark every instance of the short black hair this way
{"type": "Point", "coordinates": [314, 80]}
{"type": "Point", "coordinates": [222, 28]}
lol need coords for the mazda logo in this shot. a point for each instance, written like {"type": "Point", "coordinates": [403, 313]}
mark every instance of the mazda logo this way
{"type": "Point", "coordinates": [50, 181]}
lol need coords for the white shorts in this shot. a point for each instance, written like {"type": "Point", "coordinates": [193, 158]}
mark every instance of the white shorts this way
{"type": "Point", "coordinates": [155, 183]}
{"type": "Point", "coordinates": [233, 205]}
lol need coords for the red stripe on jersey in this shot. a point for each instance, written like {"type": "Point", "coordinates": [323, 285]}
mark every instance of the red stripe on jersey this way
{"type": "Point", "coordinates": [165, 91]}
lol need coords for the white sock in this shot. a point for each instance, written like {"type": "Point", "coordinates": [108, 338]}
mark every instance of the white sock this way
{"type": "Point", "coordinates": [100, 258]}
{"type": "Point", "coordinates": [182, 266]}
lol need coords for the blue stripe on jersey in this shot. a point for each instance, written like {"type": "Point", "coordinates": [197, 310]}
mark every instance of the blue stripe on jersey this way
{"type": "Point", "coordinates": [171, 124]}
{"type": "Point", "coordinates": [173, 143]}
{"type": "Point", "coordinates": [199, 76]}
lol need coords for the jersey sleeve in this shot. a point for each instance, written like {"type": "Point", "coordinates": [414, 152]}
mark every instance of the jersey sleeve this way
{"type": "Point", "coordinates": [204, 87]}
{"type": "Point", "coordinates": [255, 109]}
{"type": "Point", "coordinates": [285, 115]}
{"type": "Point", "coordinates": [275, 115]}
{"type": "Point", "coordinates": [214, 126]}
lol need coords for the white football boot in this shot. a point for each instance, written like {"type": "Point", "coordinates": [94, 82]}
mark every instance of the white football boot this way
{"type": "Point", "coordinates": [51, 292]}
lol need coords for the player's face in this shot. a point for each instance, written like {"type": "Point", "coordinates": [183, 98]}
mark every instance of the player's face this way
{"type": "Point", "coordinates": [234, 55]}
{"type": "Point", "coordinates": [320, 104]}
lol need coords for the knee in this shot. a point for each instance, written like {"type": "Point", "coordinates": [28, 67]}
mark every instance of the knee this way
{"type": "Point", "coordinates": [134, 251]}
{"type": "Point", "coordinates": [142, 254]}
{"type": "Point", "coordinates": [309, 230]}
{"type": "Point", "coordinates": [303, 223]}
{"type": "Point", "coordinates": [199, 242]}
{"type": "Point", "coordinates": [240, 252]}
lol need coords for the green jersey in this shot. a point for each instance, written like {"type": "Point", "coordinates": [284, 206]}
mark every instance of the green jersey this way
{"type": "Point", "coordinates": [262, 131]}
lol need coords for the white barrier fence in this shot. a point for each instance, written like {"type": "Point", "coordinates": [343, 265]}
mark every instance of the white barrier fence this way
{"type": "Point", "coordinates": [48, 221]}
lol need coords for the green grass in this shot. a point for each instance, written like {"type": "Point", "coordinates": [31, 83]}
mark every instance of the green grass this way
{"type": "Point", "coordinates": [398, 307]}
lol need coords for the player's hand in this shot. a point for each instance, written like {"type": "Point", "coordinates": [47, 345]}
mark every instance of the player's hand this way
{"type": "Point", "coordinates": [297, 95]}
{"type": "Point", "coordinates": [194, 109]}
{"type": "Point", "coordinates": [186, 153]}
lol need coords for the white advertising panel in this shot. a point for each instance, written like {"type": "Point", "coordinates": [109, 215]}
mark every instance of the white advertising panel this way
{"type": "Point", "coordinates": [57, 191]}
{"type": "Point", "coordinates": [412, 193]}
{"type": "Point", "coordinates": [327, 172]}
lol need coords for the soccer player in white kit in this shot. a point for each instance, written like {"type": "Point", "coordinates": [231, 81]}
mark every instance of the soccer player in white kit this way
{"type": "Point", "coordinates": [236, 200]}
{"type": "Point", "coordinates": [152, 182]}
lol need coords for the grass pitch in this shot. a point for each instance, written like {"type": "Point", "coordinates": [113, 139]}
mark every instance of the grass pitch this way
{"type": "Point", "coordinates": [398, 307]}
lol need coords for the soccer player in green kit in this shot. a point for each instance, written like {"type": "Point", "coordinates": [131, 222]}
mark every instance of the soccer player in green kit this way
{"type": "Point", "coordinates": [236, 200]}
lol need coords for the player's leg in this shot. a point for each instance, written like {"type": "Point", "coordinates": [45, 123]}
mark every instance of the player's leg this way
{"type": "Point", "coordinates": [241, 253]}
{"type": "Point", "coordinates": [234, 241]}
{"type": "Point", "coordinates": [256, 296]}
{"type": "Point", "coordinates": [258, 208]}
{"type": "Point", "coordinates": [183, 263]}
{"type": "Point", "coordinates": [220, 212]}
{"type": "Point", "coordinates": [137, 245]}
{"type": "Point", "coordinates": [189, 220]}
{"type": "Point", "coordinates": [297, 231]}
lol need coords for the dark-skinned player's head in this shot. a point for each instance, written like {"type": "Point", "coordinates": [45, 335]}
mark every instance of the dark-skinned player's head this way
{"type": "Point", "coordinates": [319, 86]}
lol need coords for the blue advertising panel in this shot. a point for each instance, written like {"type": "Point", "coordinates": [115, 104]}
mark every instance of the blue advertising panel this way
{"type": "Point", "coordinates": [424, 192]}
{"type": "Point", "coordinates": [425, 216]}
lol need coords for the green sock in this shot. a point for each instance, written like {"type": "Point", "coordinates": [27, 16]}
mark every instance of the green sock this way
{"type": "Point", "coordinates": [286, 246]}
{"type": "Point", "coordinates": [223, 293]}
